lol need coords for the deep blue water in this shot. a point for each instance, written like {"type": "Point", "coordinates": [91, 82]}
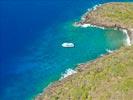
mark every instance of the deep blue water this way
{"type": "Point", "coordinates": [31, 34]}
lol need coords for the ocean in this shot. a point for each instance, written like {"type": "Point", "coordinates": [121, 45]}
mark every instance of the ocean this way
{"type": "Point", "coordinates": [31, 34]}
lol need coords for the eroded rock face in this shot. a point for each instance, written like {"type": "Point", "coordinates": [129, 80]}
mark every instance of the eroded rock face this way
{"type": "Point", "coordinates": [107, 76]}
{"type": "Point", "coordinates": [131, 35]}
{"type": "Point", "coordinates": [111, 15]}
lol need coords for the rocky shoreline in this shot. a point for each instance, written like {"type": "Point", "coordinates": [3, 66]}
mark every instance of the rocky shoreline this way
{"type": "Point", "coordinates": [80, 68]}
{"type": "Point", "coordinates": [85, 68]}
{"type": "Point", "coordinates": [96, 18]}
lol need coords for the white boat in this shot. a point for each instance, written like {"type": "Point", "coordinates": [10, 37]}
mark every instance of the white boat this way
{"type": "Point", "coordinates": [67, 45]}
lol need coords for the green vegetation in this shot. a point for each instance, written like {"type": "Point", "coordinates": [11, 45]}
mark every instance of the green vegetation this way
{"type": "Point", "coordinates": [111, 14]}
{"type": "Point", "coordinates": [108, 78]}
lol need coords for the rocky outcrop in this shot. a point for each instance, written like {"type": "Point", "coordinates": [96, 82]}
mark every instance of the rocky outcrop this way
{"type": "Point", "coordinates": [111, 15]}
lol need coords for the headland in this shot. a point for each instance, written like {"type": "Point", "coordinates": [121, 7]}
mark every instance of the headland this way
{"type": "Point", "coordinates": [109, 77]}
{"type": "Point", "coordinates": [116, 15]}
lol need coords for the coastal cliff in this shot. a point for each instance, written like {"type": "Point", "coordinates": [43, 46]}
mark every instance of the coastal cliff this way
{"type": "Point", "coordinates": [107, 78]}
{"type": "Point", "coordinates": [111, 15]}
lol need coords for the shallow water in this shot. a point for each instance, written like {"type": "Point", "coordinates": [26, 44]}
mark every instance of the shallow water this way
{"type": "Point", "coordinates": [31, 36]}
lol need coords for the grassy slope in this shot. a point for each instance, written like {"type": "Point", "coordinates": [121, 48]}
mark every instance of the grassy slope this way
{"type": "Point", "coordinates": [108, 78]}
{"type": "Point", "coordinates": [113, 13]}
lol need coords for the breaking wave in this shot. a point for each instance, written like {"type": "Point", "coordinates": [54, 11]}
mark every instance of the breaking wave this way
{"type": "Point", "coordinates": [127, 40]}
{"type": "Point", "coordinates": [109, 51]}
{"type": "Point", "coordinates": [67, 73]}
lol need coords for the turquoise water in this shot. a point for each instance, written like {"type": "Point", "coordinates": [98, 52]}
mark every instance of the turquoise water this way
{"type": "Point", "coordinates": [90, 43]}
{"type": "Point", "coordinates": [31, 36]}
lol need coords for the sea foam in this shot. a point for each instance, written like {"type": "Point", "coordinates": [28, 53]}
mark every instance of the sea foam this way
{"type": "Point", "coordinates": [128, 42]}
{"type": "Point", "coordinates": [67, 73]}
{"type": "Point", "coordinates": [95, 7]}
{"type": "Point", "coordinates": [89, 25]}
{"type": "Point", "coordinates": [89, 10]}
{"type": "Point", "coordinates": [83, 18]}
{"type": "Point", "coordinates": [109, 51]}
